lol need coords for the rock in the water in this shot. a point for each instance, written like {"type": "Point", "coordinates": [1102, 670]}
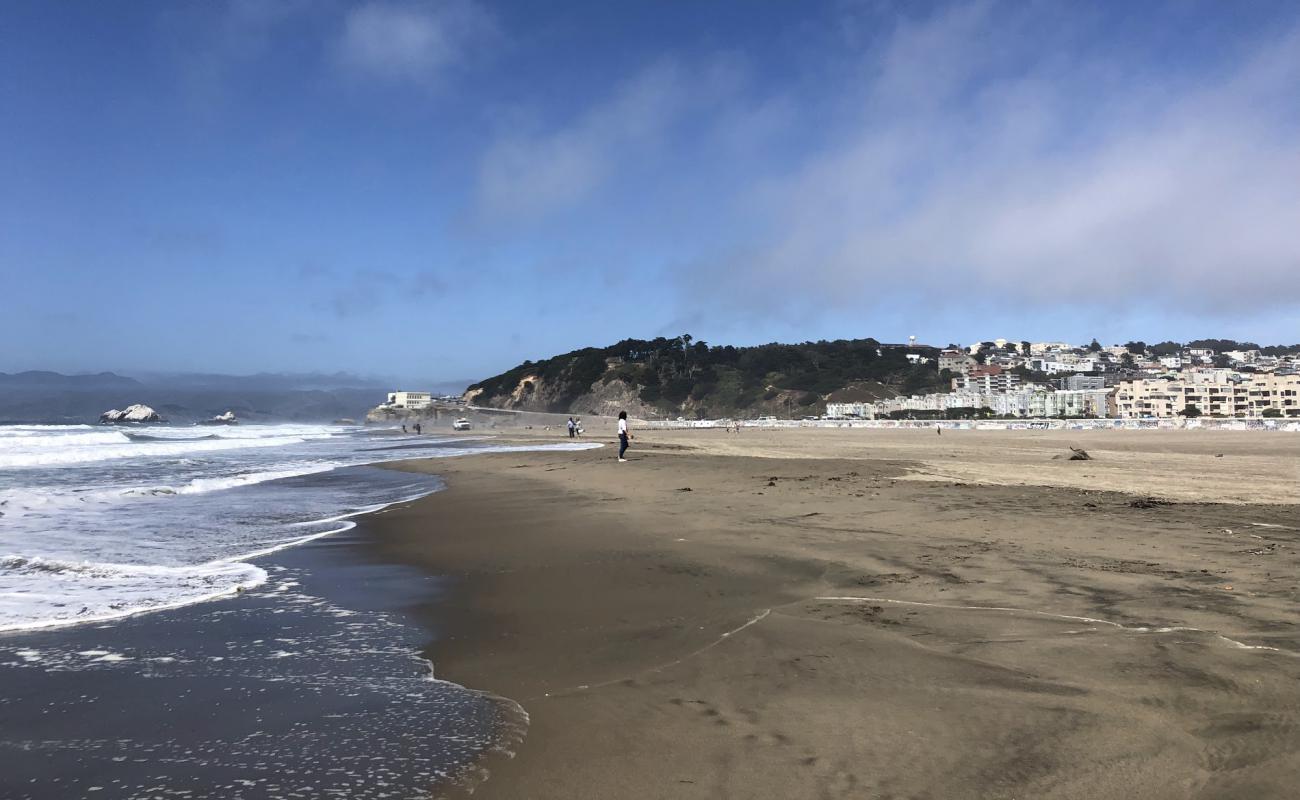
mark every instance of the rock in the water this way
{"type": "Point", "coordinates": [227, 418]}
{"type": "Point", "coordinates": [135, 413]}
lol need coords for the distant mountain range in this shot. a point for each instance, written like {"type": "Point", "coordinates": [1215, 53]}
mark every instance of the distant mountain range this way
{"type": "Point", "coordinates": [40, 396]}
{"type": "Point", "coordinates": [265, 381]}
{"type": "Point", "coordinates": [39, 379]}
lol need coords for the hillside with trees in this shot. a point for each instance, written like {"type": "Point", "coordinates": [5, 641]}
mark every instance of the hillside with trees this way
{"type": "Point", "coordinates": [684, 377]}
{"type": "Point", "coordinates": [1217, 345]}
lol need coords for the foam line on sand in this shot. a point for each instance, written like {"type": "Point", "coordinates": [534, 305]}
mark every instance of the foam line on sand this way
{"type": "Point", "coordinates": [757, 618]}
{"type": "Point", "coordinates": [1072, 617]}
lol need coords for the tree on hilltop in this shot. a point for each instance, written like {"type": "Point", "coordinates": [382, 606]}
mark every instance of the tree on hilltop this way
{"type": "Point", "coordinates": [1221, 345]}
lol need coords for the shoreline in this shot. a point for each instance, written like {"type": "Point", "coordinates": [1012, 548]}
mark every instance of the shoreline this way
{"type": "Point", "coordinates": [761, 615]}
{"type": "Point", "coordinates": [817, 626]}
{"type": "Point", "coordinates": [212, 697]}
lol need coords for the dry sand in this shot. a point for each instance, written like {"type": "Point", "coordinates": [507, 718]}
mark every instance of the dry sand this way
{"type": "Point", "coordinates": [809, 620]}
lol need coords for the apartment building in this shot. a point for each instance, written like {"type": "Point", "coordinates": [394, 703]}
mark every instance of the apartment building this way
{"type": "Point", "coordinates": [1070, 403]}
{"type": "Point", "coordinates": [1030, 401]}
{"type": "Point", "coordinates": [850, 410]}
{"type": "Point", "coordinates": [1076, 383]}
{"type": "Point", "coordinates": [1271, 390]}
{"type": "Point", "coordinates": [1213, 393]}
{"type": "Point", "coordinates": [986, 380]}
{"type": "Point", "coordinates": [955, 361]}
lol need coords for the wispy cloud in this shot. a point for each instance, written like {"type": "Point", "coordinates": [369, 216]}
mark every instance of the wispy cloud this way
{"type": "Point", "coordinates": [214, 42]}
{"type": "Point", "coordinates": [413, 42]}
{"type": "Point", "coordinates": [983, 153]}
{"type": "Point", "coordinates": [184, 240]}
{"type": "Point", "coordinates": [1056, 181]}
{"type": "Point", "coordinates": [362, 293]}
{"type": "Point", "coordinates": [524, 176]}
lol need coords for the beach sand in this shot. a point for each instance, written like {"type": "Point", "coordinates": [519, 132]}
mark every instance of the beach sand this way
{"type": "Point", "coordinates": [839, 613]}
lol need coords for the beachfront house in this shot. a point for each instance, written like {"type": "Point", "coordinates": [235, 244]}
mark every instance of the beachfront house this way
{"type": "Point", "coordinates": [409, 399]}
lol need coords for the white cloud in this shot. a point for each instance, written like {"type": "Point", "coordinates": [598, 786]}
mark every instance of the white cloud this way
{"type": "Point", "coordinates": [523, 177]}
{"type": "Point", "coordinates": [411, 41]}
{"type": "Point", "coordinates": [981, 166]}
{"type": "Point", "coordinates": [982, 155]}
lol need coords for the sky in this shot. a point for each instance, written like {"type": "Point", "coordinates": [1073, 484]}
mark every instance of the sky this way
{"type": "Point", "coordinates": [437, 190]}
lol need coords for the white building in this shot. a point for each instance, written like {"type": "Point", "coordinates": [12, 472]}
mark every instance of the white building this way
{"type": "Point", "coordinates": [1076, 382]}
{"type": "Point", "coordinates": [987, 381]}
{"type": "Point", "coordinates": [1040, 348]}
{"type": "Point", "coordinates": [1243, 356]}
{"type": "Point", "coordinates": [1031, 401]}
{"type": "Point", "coordinates": [1077, 403]}
{"type": "Point", "coordinates": [1011, 404]}
{"type": "Point", "coordinates": [850, 410]}
{"type": "Point", "coordinates": [409, 399]}
{"type": "Point", "coordinates": [1056, 367]}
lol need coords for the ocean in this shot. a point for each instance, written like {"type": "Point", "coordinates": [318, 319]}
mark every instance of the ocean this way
{"type": "Point", "coordinates": [162, 564]}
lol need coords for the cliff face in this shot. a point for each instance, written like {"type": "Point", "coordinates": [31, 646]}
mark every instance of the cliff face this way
{"type": "Point", "coordinates": [389, 414]}
{"type": "Point", "coordinates": [533, 392]}
{"type": "Point", "coordinates": [608, 398]}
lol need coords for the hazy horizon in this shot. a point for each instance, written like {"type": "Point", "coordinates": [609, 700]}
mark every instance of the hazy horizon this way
{"type": "Point", "coordinates": [436, 191]}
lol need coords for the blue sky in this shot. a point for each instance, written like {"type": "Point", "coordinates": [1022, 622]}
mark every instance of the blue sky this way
{"type": "Point", "coordinates": [439, 190]}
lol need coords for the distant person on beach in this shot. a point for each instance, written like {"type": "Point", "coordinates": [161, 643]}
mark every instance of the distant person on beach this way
{"type": "Point", "coordinates": [403, 427]}
{"type": "Point", "coordinates": [573, 428]}
{"type": "Point", "coordinates": [623, 435]}
{"type": "Point", "coordinates": [417, 429]}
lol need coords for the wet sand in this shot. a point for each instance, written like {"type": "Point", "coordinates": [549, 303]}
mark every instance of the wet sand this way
{"type": "Point", "coordinates": [833, 615]}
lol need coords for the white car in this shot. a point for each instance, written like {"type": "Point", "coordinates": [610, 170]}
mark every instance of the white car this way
{"type": "Point", "coordinates": [461, 424]}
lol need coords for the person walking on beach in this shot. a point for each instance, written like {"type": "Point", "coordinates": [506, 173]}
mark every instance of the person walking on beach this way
{"type": "Point", "coordinates": [403, 427]}
{"type": "Point", "coordinates": [572, 428]}
{"type": "Point", "coordinates": [417, 429]}
{"type": "Point", "coordinates": [623, 435]}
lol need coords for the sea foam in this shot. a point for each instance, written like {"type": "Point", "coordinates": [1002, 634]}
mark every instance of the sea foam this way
{"type": "Point", "coordinates": [100, 523]}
